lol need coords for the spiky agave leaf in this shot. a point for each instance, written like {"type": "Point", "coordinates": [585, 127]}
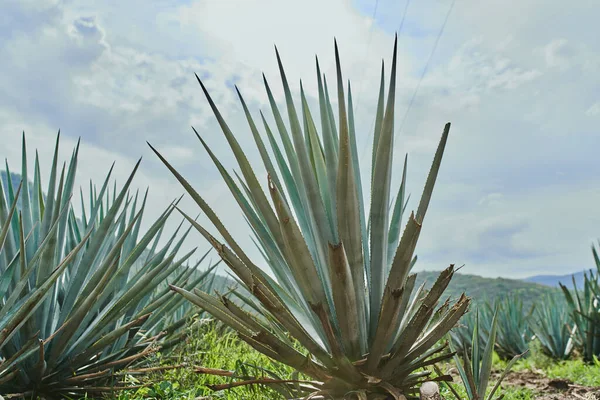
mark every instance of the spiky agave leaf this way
{"type": "Point", "coordinates": [343, 287]}
{"type": "Point", "coordinates": [553, 326]}
{"type": "Point", "coordinates": [462, 335]}
{"type": "Point", "coordinates": [170, 315]}
{"type": "Point", "coordinates": [15, 312]}
{"type": "Point", "coordinates": [475, 370]}
{"type": "Point", "coordinates": [514, 330]}
{"type": "Point", "coordinates": [86, 287]}
{"type": "Point", "coordinates": [584, 306]}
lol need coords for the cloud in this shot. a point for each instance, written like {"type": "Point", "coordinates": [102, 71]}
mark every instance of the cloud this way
{"type": "Point", "coordinates": [518, 187]}
{"type": "Point", "coordinates": [473, 67]}
{"type": "Point", "coordinates": [593, 110]}
{"type": "Point", "coordinates": [559, 54]}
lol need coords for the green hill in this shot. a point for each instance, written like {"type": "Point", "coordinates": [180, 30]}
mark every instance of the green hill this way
{"type": "Point", "coordinates": [15, 180]}
{"type": "Point", "coordinates": [481, 289]}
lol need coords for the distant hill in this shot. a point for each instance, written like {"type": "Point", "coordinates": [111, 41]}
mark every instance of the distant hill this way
{"type": "Point", "coordinates": [553, 280]}
{"type": "Point", "coordinates": [15, 180]}
{"type": "Point", "coordinates": [482, 289]}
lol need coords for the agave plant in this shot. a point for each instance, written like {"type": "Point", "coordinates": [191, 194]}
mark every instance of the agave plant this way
{"type": "Point", "coordinates": [12, 314]}
{"type": "Point", "coordinates": [174, 313]}
{"type": "Point", "coordinates": [585, 311]}
{"type": "Point", "coordinates": [462, 335]}
{"type": "Point", "coordinates": [514, 332]}
{"type": "Point", "coordinates": [86, 287]}
{"type": "Point", "coordinates": [475, 371]}
{"type": "Point", "coordinates": [343, 288]}
{"type": "Point", "coordinates": [553, 326]}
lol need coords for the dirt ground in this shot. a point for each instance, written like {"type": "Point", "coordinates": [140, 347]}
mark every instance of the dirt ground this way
{"type": "Point", "coordinates": [551, 389]}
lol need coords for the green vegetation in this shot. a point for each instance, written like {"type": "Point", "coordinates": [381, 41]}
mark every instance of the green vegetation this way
{"type": "Point", "coordinates": [81, 297]}
{"type": "Point", "coordinates": [509, 393]}
{"type": "Point", "coordinates": [585, 311]}
{"type": "Point", "coordinates": [574, 370]}
{"type": "Point", "coordinates": [344, 290]}
{"type": "Point", "coordinates": [475, 371]}
{"type": "Point", "coordinates": [93, 306]}
{"type": "Point", "coordinates": [483, 290]}
{"type": "Point", "coordinates": [514, 330]}
{"type": "Point", "coordinates": [553, 325]}
{"type": "Point", "coordinates": [210, 345]}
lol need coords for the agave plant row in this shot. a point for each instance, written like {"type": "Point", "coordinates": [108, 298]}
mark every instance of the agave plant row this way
{"type": "Point", "coordinates": [80, 295]}
{"type": "Point", "coordinates": [550, 322]}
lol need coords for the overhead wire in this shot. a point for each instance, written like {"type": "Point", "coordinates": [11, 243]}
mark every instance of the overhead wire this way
{"type": "Point", "coordinates": [423, 73]}
{"type": "Point", "coordinates": [366, 55]}
{"type": "Point", "coordinates": [404, 12]}
{"type": "Point", "coordinates": [435, 44]}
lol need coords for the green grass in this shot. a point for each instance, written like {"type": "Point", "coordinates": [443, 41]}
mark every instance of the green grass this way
{"type": "Point", "coordinates": [212, 346]}
{"type": "Point", "coordinates": [574, 369]}
{"type": "Point", "coordinates": [510, 392]}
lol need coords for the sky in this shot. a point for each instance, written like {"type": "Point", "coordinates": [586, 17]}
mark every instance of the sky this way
{"type": "Point", "coordinates": [519, 190]}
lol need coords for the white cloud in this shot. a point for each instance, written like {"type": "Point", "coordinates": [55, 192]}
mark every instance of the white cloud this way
{"type": "Point", "coordinates": [559, 54]}
{"type": "Point", "coordinates": [593, 110]}
{"type": "Point", "coordinates": [518, 235]}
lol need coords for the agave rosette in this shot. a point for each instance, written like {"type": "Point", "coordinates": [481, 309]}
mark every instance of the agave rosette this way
{"type": "Point", "coordinates": [81, 292]}
{"type": "Point", "coordinates": [514, 330]}
{"type": "Point", "coordinates": [475, 370]}
{"type": "Point", "coordinates": [343, 287]}
{"type": "Point", "coordinates": [462, 335]}
{"type": "Point", "coordinates": [553, 327]}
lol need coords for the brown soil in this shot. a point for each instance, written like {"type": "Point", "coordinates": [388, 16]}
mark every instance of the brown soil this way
{"type": "Point", "coordinates": [551, 389]}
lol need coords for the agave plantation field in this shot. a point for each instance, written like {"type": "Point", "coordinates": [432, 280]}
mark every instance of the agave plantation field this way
{"type": "Point", "coordinates": [94, 306]}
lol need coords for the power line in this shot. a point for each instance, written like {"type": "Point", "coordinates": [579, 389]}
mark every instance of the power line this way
{"type": "Point", "coordinates": [404, 12]}
{"type": "Point", "coordinates": [366, 50]}
{"type": "Point", "coordinates": [435, 45]}
{"type": "Point", "coordinates": [366, 55]}
{"type": "Point", "coordinates": [403, 17]}
{"type": "Point", "coordinates": [437, 40]}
